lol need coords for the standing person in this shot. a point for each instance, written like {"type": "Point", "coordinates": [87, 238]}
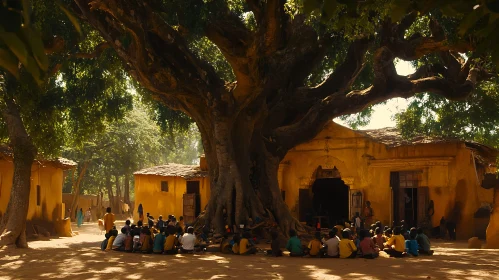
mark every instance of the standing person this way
{"type": "Point", "coordinates": [141, 213]}
{"type": "Point", "coordinates": [108, 220]}
{"type": "Point", "coordinates": [368, 214]}
{"type": "Point", "coordinates": [88, 215]}
{"type": "Point", "coordinates": [79, 217]}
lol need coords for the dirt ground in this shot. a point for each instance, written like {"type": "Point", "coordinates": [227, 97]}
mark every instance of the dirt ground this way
{"type": "Point", "coordinates": [80, 257]}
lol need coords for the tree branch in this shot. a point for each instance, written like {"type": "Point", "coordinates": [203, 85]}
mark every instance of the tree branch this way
{"type": "Point", "coordinates": [156, 55]}
{"type": "Point", "coordinates": [96, 53]}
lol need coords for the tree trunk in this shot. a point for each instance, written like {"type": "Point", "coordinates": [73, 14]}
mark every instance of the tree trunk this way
{"type": "Point", "coordinates": [117, 200]}
{"type": "Point", "coordinates": [492, 234]}
{"type": "Point", "coordinates": [126, 196]}
{"type": "Point", "coordinates": [110, 195]}
{"type": "Point", "coordinates": [13, 224]}
{"type": "Point", "coordinates": [76, 190]}
{"type": "Point", "coordinates": [243, 171]}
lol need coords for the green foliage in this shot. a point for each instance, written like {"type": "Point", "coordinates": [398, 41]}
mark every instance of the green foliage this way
{"type": "Point", "coordinates": [474, 119]}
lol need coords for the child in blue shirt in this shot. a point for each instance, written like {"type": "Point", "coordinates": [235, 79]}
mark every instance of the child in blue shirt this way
{"type": "Point", "coordinates": [411, 245]}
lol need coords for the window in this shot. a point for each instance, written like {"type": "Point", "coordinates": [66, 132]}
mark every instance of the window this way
{"type": "Point", "coordinates": [164, 186]}
{"type": "Point", "coordinates": [409, 179]}
{"type": "Point", "coordinates": [38, 195]}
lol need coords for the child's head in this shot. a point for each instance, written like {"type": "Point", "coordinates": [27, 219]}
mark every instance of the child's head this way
{"type": "Point", "coordinates": [178, 229]}
{"type": "Point", "coordinates": [318, 235]}
{"type": "Point", "coordinates": [357, 214]}
{"type": "Point", "coordinates": [133, 226]}
{"type": "Point", "coordinates": [150, 223]}
{"type": "Point", "coordinates": [181, 218]}
{"type": "Point", "coordinates": [378, 230]}
{"type": "Point", "coordinates": [162, 230]}
{"type": "Point", "coordinates": [388, 232]}
{"type": "Point", "coordinates": [274, 235]}
{"type": "Point", "coordinates": [333, 232]}
{"type": "Point", "coordinates": [397, 230]}
{"type": "Point", "coordinates": [420, 230]}
{"type": "Point", "coordinates": [171, 230]}
{"type": "Point", "coordinates": [413, 233]}
{"type": "Point", "coordinates": [140, 223]}
{"type": "Point", "coordinates": [123, 230]}
{"type": "Point", "coordinates": [292, 233]}
{"type": "Point", "coordinates": [190, 230]}
{"type": "Point", "coordinates": [127, 222]}
{"type": "Point", "coordinates": [108, 209]}
{"type": "Point", "coordinates": [160, 217]}
{"type": "Point", "coordinates": [378, 224]}
{"type": "Point", "coordinates": [114, 232]}
{"type": "Point", "coordinates": [345, 234]}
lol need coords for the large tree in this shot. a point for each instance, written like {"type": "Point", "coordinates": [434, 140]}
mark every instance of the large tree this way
{"type": "Point", "coordinates": [290, 74]}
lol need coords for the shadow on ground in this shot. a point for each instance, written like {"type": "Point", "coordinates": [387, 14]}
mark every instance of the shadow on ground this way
{"type": "Point", "coordinates": [85, 261]}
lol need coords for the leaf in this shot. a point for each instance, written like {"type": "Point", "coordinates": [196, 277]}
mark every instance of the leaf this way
{"type": "Point", "coordinates": [26, 12]}
{"type": "Point", "coordinates": [399, 10]}
{"type": "Point", "coordinates": [9, 62]}
{"type": "Point", "coordinates": [470, 20]}
{"type": "Point", "coordinates": [35, 40]}
{"type": "Point", "coordinates": [16, 45]}
{"type": "Point", "coordinates": [71, 17]}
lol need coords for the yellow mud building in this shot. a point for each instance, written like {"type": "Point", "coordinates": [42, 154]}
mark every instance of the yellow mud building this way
{"type": "Point", "coordinates": [421, 180]}
{"type": "Point", "coordinates": [172, 189]}
{"type": "Point", "coordinates": [45, 202]}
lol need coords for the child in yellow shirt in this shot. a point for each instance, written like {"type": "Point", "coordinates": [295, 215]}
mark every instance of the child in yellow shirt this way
{"type": "Point", "coordinates": [315, 246]}
{"type": "Point", "coordinates": [347, 247]}
{"type": "Point", "coordinates": [395, 246]}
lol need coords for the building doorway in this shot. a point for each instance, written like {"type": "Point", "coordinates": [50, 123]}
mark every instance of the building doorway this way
{"type": "Point", "coordinates": [330, 199]}
{"type": "Point", "coordinates": [410, 200]}
{"type": "Point", "coordinates": [193, 188]}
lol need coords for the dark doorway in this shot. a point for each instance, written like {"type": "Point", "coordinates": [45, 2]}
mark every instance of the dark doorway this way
{"type": "Point", "coordinates": [305, 206]}
{"type": "Point", "coordinates": [330, 199]}
{"type": "Point", "coordinates": [410, 202]}
{"type": "Point", "coordinates": [193, 188]}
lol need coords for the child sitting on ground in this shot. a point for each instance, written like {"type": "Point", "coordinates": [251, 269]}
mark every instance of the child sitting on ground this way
{"type": "Point", "coordinates": [424, 243]}
{"type": "Point", "coordinates": [332, 244]}
{"type": "Point", "coordinates": [395, 246]}
{"type": "Point", "coordinates": [103, 244]}
{"type": "Point", "coordinates": [387, 233]}
{"type": "Point", "coordinates": [113, 232]}
{"type": "Point", "coordinates": [347, 246]}
{"type": "Point", "coordinates": [235, 243]}
{"type": "Point", "coordinates": [119, 241]}
{"type": "Point", "coordinates": [315, 246]}
{"type": "Point", "coordinates": [245, 247]}
{"type": "Point", "coordinates": [129, 239]}
{"type": "Point", "coordinates": [159, 241]}
{"type": "Point", "coordinates": [171, 241]}
{"type": "Point", "coordinates": [146, 240]}
{"type": "Point", "coordinates": [411, 245]}
{"type": "Point", "coordinates": [294, 245]}
{"type": "Point", "coordinates": [275, 246]}
{"type": "Point", "coordinates": [188, 241]}
{"type": "Point", "coordinates": [379, 239]}
{"type": "Point", "coordinates": [367, 246]}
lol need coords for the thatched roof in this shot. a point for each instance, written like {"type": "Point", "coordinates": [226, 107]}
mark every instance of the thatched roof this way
{"type": "Point", "coordinates": [391, 137]}
{"type": "Point", "coordinates": [62, 163]}
{"type": "Point", "coordinates": [174, 170]}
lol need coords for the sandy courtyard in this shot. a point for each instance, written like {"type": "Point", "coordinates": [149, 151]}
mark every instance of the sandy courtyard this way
{"type": "Point", "coordinates": [80, 258]}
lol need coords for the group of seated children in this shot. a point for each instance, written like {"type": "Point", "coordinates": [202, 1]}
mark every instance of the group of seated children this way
{"type": "Point", "coordinates": [367, 244]}
{"type": "Point", "coordinates": [163, 238]}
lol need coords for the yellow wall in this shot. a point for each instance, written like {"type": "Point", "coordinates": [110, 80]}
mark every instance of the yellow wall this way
{"type": "Point", "coordinates": [154, 201]}
{"type": "Point", "coordinates": [447, 170]}
{"type": "Point", "coordinates": [50, 180]}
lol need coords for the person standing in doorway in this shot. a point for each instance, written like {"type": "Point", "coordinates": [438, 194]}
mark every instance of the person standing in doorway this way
{"type": "Point", "coordinates": [108, 220]}
{"type": "Point", "coordinates": [141, 213]}
{"type": "Point", "coordinates": [368, 215]}
{"type": "Point", "coordinates": [79, 217]}
{"type": "Point", "coordinates": [88, 215]}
